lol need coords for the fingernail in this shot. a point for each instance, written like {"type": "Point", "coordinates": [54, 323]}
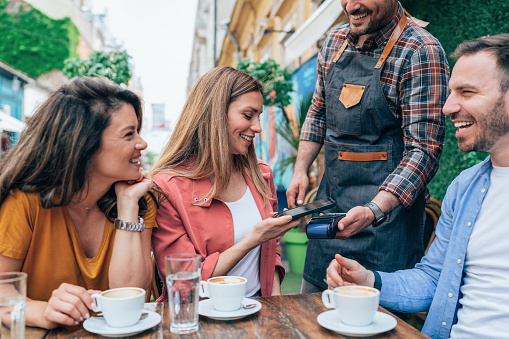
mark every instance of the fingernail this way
{"type": "Point", "coordinates": [93, 306]}
{"type": "Point", "coordinates": [87, 316]}
{"type": "Point", "coordinates": [76, 322]}
{"type": "Point", "coordinates": [300, 201]}
{"type": "Point", "coordinates": [81, 318]}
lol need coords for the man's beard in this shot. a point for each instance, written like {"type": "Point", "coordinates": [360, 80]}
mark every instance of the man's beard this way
{"type": "Point", "coordinates": [374, 25]}
{"type": "Point", "coordinates": [492, 125]}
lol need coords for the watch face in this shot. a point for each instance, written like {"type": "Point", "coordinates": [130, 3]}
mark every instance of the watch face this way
{"type": "Point", "coordinates": [379, 221]}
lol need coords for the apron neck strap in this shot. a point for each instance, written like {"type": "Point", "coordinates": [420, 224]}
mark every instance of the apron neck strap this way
{"type": "Point", "coordinates": [392, 40]}
{"type": "Point", "coordinates": [388, 48]}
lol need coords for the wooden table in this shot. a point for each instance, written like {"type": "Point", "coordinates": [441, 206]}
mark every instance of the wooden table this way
{"type": "Point", "coordinates": [287, 316]}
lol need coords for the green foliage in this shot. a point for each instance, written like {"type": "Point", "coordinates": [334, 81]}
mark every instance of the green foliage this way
{"type": "Point", "coordinates": [451, 22]}
{"type": "Point", "coordinates": [112, 65]}
{"type": "Point", "coordinates": [34, 43]}
{"type": "Point", "coordinates": [277, 85]}
{"type": "Point", "coordinates": [276, 81]}
{"type": "Point", "coordinates": [149, 158]}
{"type": "Point", "coordinates": [289, 129]}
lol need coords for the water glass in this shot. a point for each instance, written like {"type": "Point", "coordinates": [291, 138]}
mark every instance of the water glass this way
{"type": "Point", "coordinates": [13, 292]}
{"type": "Point", "coordinates": [183, 272]}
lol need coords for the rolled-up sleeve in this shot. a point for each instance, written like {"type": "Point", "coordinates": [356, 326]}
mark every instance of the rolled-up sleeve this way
{"type": "Point", "coordinates": [423, 92]}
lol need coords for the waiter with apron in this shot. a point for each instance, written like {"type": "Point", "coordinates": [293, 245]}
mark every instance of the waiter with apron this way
{"type": "Point", "coordinates": [382, 81]}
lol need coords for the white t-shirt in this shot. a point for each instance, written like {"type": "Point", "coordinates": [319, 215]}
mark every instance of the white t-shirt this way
{"type": "Point", "coordinates": [245, 215]}
{"type": "Point", "coordinates": [484, 311]}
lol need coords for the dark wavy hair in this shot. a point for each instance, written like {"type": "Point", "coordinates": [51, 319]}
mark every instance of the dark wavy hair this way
{"type": "Point", "coordinates": [54, 152]}
{"type": "Point", "coordinates": [498, 45]}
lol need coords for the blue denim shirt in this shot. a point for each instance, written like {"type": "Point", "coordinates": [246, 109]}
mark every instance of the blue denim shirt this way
{"type": "Point", "coordinates": [433, 285]}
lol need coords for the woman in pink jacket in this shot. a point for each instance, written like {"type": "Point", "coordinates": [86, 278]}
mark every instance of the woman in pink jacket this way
{"type": "Point", "coordinates": [218, 198]}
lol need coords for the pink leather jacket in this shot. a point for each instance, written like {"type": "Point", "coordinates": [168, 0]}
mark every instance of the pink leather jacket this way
{"type": "Point", "coordinates": [190, 223]}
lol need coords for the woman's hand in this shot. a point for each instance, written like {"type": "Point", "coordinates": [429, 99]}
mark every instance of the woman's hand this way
{"type": "Point", "coordinates": [134, 189]}
{"type": "Point", "coordinates": [69, 305]}
{"type": "Point", "coordinates": [272, 228]}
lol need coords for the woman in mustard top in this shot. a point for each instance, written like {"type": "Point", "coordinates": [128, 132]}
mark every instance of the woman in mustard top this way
{"type": "Point", "coordinates": [75, 214]}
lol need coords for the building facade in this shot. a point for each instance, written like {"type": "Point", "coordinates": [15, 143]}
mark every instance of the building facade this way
{"type": "Point", "coordinates": [209, 34]}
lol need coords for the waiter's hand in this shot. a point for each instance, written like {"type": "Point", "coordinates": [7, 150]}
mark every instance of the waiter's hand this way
{"type": "Point", "coordinates": [356, 220]}
{"type": "Point", "coordinates": [296, 191]}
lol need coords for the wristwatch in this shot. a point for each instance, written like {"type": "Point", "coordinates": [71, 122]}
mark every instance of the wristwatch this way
{"type": "Point", "coordinates": [130, 226]}
{"type": "Point", "coordinates": [380, 217]}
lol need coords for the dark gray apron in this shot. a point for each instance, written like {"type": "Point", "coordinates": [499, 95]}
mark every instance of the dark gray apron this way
{"type": "Point", "coordinates": [363, 145]}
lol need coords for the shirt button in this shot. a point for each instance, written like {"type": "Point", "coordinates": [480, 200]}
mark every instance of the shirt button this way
{"type": "Point", "coordinates": [450, 295]}
{"type": "Point", "coordinates": [459, 261]}
{"type": "Point", "coordinates": [483, 190]}
{"type": "Point", "coordinates": [443, 323]}
{"type": "Point", "coordinates": [196, 199]}
{"type": "Point", "coordinates": [206, 199]}
{"type": "Point", "coordinates": [469, 224]}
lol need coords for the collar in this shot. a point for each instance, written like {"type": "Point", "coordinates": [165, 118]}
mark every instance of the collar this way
{"type": "Point", "coordinates": [381, 37]}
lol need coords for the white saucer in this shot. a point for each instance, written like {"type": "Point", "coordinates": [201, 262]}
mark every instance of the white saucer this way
{"type": "Point", "coordinates": [206, 309]}
{"type": "Point", "coordinates": [99, 326]}
{"type": "Point", "coordinates": [382, 323]}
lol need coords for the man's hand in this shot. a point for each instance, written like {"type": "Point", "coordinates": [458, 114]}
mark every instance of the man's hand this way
{"type": "Point", "coordinates": [343, 271]}
{"type": "Point", "coordinates": [356, 220]}
{"type": "Point", "coordinates": [308, 150]}
{"type": "Point", "coordinates": [296, 191]}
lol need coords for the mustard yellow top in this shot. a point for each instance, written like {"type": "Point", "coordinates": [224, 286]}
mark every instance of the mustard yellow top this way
{"type": "Point", "coordinates": [47, 241]}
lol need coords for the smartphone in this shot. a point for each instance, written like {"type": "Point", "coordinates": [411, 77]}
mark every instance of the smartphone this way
{"type": "Point", "coordinates": [315, 206]}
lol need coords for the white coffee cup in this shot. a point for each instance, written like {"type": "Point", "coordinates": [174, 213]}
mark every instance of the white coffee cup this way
{"type": "Point", "coordinates": [121, 307]}
{"type": "Point", "coordinates": [356, 305]}
{"type": "Point", "coordinates": [226, 293]}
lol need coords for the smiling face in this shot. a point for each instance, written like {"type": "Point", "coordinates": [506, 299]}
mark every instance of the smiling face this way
{"type": "Point", "coordinates": [244, 121]}
{"type": "Point", "coordinates": [367, 17]}
{"type": "Point", "coordinates": [121, 145]}
{"type": "Point", "coordinates": [476, 105]}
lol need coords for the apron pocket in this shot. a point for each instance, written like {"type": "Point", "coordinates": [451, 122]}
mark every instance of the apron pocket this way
{"type": "Point", "coordinates": [351, 95]}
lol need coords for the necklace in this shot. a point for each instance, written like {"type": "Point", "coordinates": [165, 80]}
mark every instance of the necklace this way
{"type": "Point", "coordinates": [88, 208]}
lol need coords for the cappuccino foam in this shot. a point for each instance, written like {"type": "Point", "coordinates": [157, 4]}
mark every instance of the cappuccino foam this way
{"type": "Point", "coordinates": [125, 293]}
{"type": "Point", "coordinates": [356, 291]}
{"type": "Point", "coordinates": [227, 280]}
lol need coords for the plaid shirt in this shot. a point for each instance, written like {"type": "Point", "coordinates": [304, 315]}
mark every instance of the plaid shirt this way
{"type": "Point", "coordinates": [414, 80]}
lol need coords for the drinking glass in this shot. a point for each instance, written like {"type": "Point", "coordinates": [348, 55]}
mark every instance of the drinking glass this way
{"type": "Point", "coordinates": [183, 272]}
{"type": "Point", "coordinates": [13, 292]}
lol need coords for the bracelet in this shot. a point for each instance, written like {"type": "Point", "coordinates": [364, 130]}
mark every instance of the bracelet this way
{"type": "Point", "coordinates": [378, 280]}
{"type": "Point", "coordinates": [130, 226]}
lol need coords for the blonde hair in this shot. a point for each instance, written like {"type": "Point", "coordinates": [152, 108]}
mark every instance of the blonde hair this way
{"type": "Point", "coordinates": [199, 146]}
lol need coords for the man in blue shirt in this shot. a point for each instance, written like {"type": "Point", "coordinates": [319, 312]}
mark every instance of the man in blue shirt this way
{"type": "Point", "coordinates": [463, 281]}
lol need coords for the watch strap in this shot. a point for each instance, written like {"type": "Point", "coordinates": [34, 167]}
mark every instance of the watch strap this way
{"type": "Point", "coordinates": [130, 226]}
{"type": "Point", "coordinates": [378, 280]}
{"type": "Point", "coordinates": [379, 215]}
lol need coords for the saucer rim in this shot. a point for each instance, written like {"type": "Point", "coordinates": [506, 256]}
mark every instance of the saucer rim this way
{"type": "Point", "coordinates": [359, 331]}
{"type": "Point", "coordinates": [217, 315]}
{"type": "Point", "coordinates": [124, 331]}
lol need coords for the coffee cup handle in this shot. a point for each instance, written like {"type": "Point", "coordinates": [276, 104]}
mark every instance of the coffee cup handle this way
{"type": "Point", "coordinates": [328, 299]}
{"type": "Point", "coordinates": [203, 289]}
{"type": "Point", "coordinates": [96, 298]}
